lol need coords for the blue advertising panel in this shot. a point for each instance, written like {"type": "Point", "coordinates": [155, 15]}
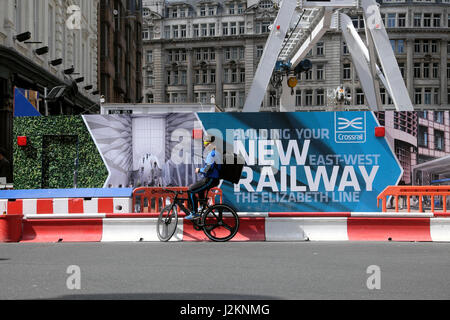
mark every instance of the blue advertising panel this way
{"type": "Point", "coordinates": [305, 162]}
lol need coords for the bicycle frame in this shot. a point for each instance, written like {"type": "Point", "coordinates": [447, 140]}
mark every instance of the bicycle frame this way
{"type": "Point", "coordinates": [179, 202]}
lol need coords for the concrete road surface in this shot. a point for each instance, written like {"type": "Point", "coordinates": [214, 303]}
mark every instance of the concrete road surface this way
{"type": "Point", "coordinates": [231, 271]}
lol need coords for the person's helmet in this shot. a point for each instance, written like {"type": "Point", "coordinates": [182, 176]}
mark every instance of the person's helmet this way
{"type": "Point", "coordinates": [208, 139]}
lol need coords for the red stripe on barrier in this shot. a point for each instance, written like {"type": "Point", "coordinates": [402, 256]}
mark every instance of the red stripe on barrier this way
{"type": "Point", "coordinates": [309, 214]}
{"type": "Point", "coordinates": [67, 230]}
{"type": "Point", "coordinates": [44, 206]}
{"type": "Point", "coordinates": [441, 214]}
{"type": "Point", "coordinates": [15, 207]}
{"type": "Point", "coordinates": [105, 205]}
{"type": "Point", "coordinates": [132, 215]}
{"type": "Point", "coordinates": [75, 205]}
{"type": "Point", "coordinates": [384, 229]}
{"type": "Point", "coordinates": [250, 229]}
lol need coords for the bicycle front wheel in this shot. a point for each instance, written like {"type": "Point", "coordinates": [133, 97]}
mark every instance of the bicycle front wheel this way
{"type": "Point", "coordinates": [220, 222]}
{"type": "Point", "coordinates": [167, 223]}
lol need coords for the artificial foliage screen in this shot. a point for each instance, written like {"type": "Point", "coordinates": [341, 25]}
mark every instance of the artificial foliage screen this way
{"type": "Point", "coordinates": [60, 153]}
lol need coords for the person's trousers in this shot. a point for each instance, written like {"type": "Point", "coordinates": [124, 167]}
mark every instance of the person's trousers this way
{"type": "Point", "coordinates": [199, 188]}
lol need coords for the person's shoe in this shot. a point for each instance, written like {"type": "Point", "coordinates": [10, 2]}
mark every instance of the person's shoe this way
{"type": "Point", "coordinates": [192, 215]}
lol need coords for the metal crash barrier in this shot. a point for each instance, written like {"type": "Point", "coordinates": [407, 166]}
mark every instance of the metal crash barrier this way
{"type": "Point", "coordinates": [154, 199]}
{"type": "Point", "coordinates": [433, 197]}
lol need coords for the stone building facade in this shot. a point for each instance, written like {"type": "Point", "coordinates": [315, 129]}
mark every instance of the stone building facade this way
{"type": "Point", "coordinates": [197, 49]}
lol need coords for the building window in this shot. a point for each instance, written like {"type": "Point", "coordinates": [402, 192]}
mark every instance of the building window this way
{"type": "Point", "coordinates": [225, 29]}
{"type": "Point", "coordinates": [416, 46]}
{"type": "Point", "coordinates": [241, 99]}
{"type": "Point", "coordinates": [427, 19]}
{"type": "Point", "coordinates": [426, 70]}
{"type": "Point", "coordinates": [175, 13]}
{"type": "Point", "coordinates": [183, 77]}
{"type": "Point", "coordinates": [400, 46]}
{"type": "Point", "coordinates": [422, 137]}
{"type": "Point", "coordinates": [320, 97]}
{"type": "Point", "coordinates": [427, 96]}
{"type": "Point", "coordinates": [416, 70]}
{"type": "Point", "coordinates": [401, 20]}
{"type": "Point", "coordinates": [231, 9]}
{"type": "Point", "coordinates": [149, 78]}
{"type": "Point", "coordinates": [183, 31]}
{"type": "Point", "coordinates": [212, 29]}
{"type": "Point", "coordinates": [204, 30]}
{"type": "Point", "coordinates": [150, 98]}
{"type": "Point", "coordinates": [308, 97]}
{"type": "Point", "coordinates": [233, 30]}
{"type": "Point", "coordinates": [197, 76]}
{"type": "Point", "coordinates": [436, 96]}
{"type": "Point", "coordinates": [448, 72]}
{"type": "Point", "coordinates": [439, 140]}
{"type": "Point", "coordinates": [319, 48]}
{"type": "Point", "coordinates": [260, 49]}
{"type": "Point", "coordinates": [439, 117]}
{"type": "Point", "coordinates": [417, 19]}
{"type": "Point", "coordinates": [167, 32]}
{"type": "Point", "coordinates": [345, 48]}
{"type": "Point", "coordinates": [359, 97]}
{"type": "Point", "coordinates": [308, 74]}
{"type": "Point", "coordinates": [149, 56]}
{"type": "Point", "coordinates": [196, 31]}
{"type": "Point", "coordinates": [347, 71]}
{"type": "Point", "coordinates": [240, 9]}
{"type": "Point", "coordinates": [391, 18]}
{"type": "Point", "coordinates": [202, 11]}
{"type": "Point", "coordinates": [437, 20]}
{"type": "Point", "coordinates": [175, 31]}
{"type": "Point", "coordinates": [435, 70]}
{"type": "Point", "coordinates": [211, 11]}
{"type": "Point", "coordinates": [212, 76]}
{"type": "Point", "coordinates": [233, 99]}
{"type": "Point", "coordinates": [426, 46]}
{"type": "Point", "coordinates": [298, 98]}
{"type": "Point", "coordinates": [241, 28]}
{"type": "Point", "coordinates": [434, 48]}
{"type": "Point", "coordinates": [418, 96]}
{"type": "Point", "coordinates": [319, 72]}
{"type": "Point", "coordinates": [401, 66]}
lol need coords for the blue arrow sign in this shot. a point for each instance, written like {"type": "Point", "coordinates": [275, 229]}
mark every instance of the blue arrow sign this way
{"type": "Point", "coordinates": [305, 162]}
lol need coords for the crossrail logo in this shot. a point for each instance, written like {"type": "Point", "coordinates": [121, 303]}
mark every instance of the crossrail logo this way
{"type": "Point", "coordinates": [350, 129]}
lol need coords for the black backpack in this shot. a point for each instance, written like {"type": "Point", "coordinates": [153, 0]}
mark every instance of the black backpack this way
{"type": "Point", "coordinates": [231, 168]}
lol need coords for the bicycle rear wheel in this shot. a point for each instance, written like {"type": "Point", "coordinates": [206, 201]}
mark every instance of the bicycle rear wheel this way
{"type": "Point", "coordinates": [220, 222]}
{"type": "Point", "coordinates": [167, 223]}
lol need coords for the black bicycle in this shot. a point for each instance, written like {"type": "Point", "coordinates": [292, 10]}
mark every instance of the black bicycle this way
{"type": "Point", "coordinates": [219, 222]}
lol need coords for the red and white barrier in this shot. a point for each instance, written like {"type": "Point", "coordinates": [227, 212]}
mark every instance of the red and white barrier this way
{"type": "Point", "coordinates": [257, 227]}
{"type": "Point", "coordinates": [29, 207]}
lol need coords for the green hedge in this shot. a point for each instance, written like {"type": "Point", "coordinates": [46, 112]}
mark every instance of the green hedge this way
{"type": "Point", "coordinates": [48, 159]}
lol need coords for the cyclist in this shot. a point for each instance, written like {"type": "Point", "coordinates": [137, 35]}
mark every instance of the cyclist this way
{"type": "Point", "coordinates": [210, 173]}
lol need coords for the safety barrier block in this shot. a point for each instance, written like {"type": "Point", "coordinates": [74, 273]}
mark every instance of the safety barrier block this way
{"type": "Point", "coordinates": [135, 229]}
{"type": "Point", "coordinates": [440, 229]}
{"type": "Point", "coordinates": [250, 229]}
{"type": "Point", "coordinates": [65, 230]}
{"type": "Point", "coordinates": [384, 229]}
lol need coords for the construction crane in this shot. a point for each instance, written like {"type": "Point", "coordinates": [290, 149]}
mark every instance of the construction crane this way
{"type": "Point", "coordinates": [306, 22]}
